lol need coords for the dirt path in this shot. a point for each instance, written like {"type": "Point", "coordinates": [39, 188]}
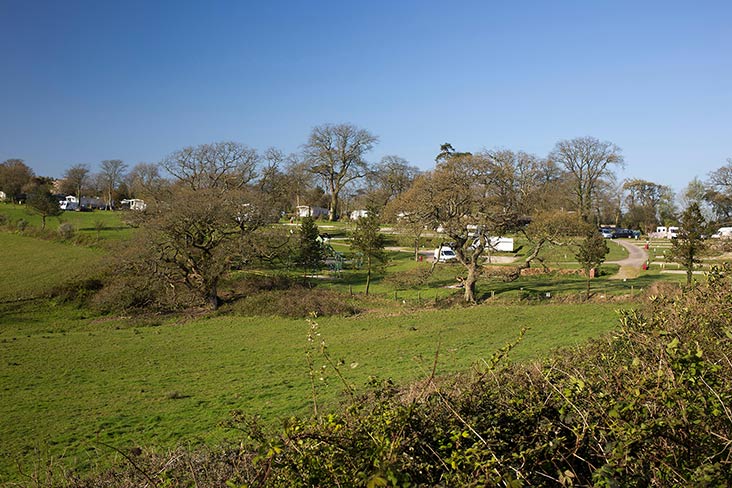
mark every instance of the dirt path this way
{"type": "Point", "coordinates": [630, 267]}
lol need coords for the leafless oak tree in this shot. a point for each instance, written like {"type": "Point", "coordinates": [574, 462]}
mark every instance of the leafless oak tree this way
{"type": "Point", "coordinates": [75, 180]}
{"type": "Point", "coordinates": [587, 160]}
{"type": "Point", "coordinates": [221, 165]}
{"type": "Point", "coordinates": [462, 199]}
{"type": "Point", "coordinates": [336, 154]}
{"type": "Point", "coordinates": [111, 175]}
{"type": "Point", "coordinates": [144, 181]}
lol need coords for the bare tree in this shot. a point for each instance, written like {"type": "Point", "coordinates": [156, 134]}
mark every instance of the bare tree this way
{"type": "Point", "coordinates": [587, 160]}
{"type": "Point", "coordinates": [75, 180]}
{"type": "Point", "coordinates": [643, 200]}
{"type": "Point", "coordinates": [221, 165]}
{"type": "Point", "coordinates": [144, 180]}
{"type": "Point", "coordinates": [111, 175]}
{"type": "Point", "coordinates": [281, 179]}
{"type": "Point", "coordinates": [719, 192]}
{"type": "Point", "coordinates": [192, 236]}
{"type": "Point", "coordinates": [696, 192]}
{"type": "Point", "coordinates": [336, 154]}
{"type": "Point", "coordinates": [388, 179]}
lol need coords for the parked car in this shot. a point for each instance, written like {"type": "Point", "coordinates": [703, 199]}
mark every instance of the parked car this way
{"type": "Point", "coordinates": [622, 233]}
{"type": "Point", "coordinates": [444, 254]}
{"type": "Point", "coordinates": [607, 233]}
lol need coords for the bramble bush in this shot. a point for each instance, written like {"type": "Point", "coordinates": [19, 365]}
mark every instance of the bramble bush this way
{"type": "Point", "coordinates": [648, 405]}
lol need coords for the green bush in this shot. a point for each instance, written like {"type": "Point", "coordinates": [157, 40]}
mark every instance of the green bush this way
{"type": "Point", "coordinates": [295, 302]}
{"type": "Point", "coordinates": [77, 291]}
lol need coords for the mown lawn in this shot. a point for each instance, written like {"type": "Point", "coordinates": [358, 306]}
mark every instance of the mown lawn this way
{"type": "Point", "coordinates": [72, 383]}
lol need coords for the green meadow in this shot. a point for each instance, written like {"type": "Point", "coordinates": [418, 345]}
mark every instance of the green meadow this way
{"type": "Point", "coordinates": [73, 383]}
{"type": "Point", "coordinates": [77, 385]}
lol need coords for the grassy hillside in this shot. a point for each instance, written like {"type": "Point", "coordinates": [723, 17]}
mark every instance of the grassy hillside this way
{"type": "Point", "coordinates": [32, 267]}
{"type": "Point", "coordinates": [73, 383]}
{"type": "Point", "coordinates": [99, 223]}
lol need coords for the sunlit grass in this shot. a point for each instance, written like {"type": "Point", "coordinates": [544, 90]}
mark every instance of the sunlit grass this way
{"type": "Point", "coordinates": [74, 381]}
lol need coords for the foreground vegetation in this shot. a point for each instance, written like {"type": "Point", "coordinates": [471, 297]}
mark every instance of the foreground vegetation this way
{"type": "Point", "coordinates": [79, 383]}
{"type": "Point", "coordinates": [648, 405]}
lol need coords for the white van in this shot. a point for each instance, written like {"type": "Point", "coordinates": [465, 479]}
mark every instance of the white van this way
{"type": "Point", "coordinates": [444, 254]}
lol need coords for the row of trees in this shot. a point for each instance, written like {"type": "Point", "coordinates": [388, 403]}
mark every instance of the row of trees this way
{"type": "Point", "coordinates": [332, 171]}
{"type": "Point", "coordinates": [220, 194]}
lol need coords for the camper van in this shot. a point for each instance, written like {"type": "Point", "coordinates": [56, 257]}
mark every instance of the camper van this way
{"type": "Point", "coordinates": [663, 232]}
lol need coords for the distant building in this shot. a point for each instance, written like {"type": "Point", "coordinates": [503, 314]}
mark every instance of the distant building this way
{"type": "Point", "coordinates": [308, 211]}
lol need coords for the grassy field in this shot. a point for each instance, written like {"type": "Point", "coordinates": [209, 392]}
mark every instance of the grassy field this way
{"type": "Point", "coordinates": [72, 383]}
{"type": "Point", "coordinates": [32, 267]}
{"type": "Point", "coordinates": [99, 223]}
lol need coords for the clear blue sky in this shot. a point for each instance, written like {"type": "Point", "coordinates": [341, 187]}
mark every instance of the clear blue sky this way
{"type": "Point", "coordinates": [83, 81]}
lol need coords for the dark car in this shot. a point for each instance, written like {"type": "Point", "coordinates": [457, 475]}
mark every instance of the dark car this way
{"type": "Point", "coordinates": [620, 233]}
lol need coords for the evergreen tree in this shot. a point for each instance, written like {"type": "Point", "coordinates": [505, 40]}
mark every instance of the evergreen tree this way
{"type": "Point", "coordinates": [367, 239]}
{"type": "Point", "coordinates": [44, 204]}
{"type": "Point", "coordinates": [311, 251]}
{"type": "Point", "coordinates": [687, 248]}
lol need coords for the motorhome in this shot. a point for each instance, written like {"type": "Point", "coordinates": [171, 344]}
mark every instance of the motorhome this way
{"type": "Point", "coordinates": [663, 232]}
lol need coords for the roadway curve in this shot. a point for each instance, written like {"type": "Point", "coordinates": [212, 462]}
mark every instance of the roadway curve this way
{"type": "Point", "coordinates": [630, 267]}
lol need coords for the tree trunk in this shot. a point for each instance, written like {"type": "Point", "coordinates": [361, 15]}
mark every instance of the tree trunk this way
{"type": "Point", "coordinates": [368, 274]}
{"type": "Point", "coordinates": [416, 249]}
{"type": "Point", "coordinates": [588, 286]}
{"type": "Point", "coordinates": [43, 222]}
{"type": "Point", "coordinates": [213, 297]}
{"type": "Point", "coordinates": [470, 283]}
{"type": "Point", "coordinates": [689, 272]}
{"type": "Point", "coordinates": [332, 215]}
